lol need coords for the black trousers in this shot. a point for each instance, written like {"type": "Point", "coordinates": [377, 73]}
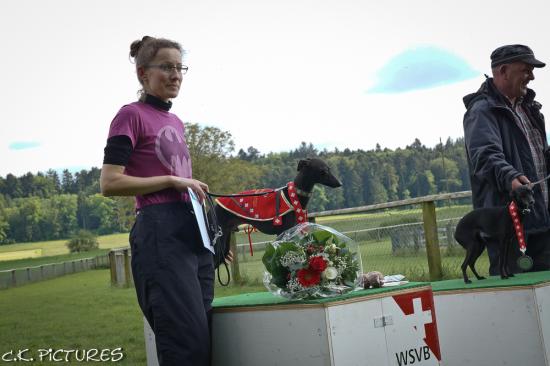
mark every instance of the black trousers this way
{"type": "Point", "coordinates": [538, 248]}
{"type": "Point", "coordinates": [174, 281]}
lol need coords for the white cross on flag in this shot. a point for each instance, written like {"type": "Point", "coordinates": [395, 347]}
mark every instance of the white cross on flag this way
{"type": "Point", "coordinates": [412, 335]}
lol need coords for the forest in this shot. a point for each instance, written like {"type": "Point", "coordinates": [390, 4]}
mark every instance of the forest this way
{"type": "Point", "coordinates": [54, 205]}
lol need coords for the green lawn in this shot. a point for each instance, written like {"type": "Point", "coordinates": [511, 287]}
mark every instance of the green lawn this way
{"type": "Point", "coordinates": [378, 256]}
{"type": "Point", "coordinates": [82, 311]}
{"type": "Point", "coordinates": [78, 311]}
{"type": "Point", "coordinates": [56, 251]}
{"type": "Point", "coordinates": [58, 247]}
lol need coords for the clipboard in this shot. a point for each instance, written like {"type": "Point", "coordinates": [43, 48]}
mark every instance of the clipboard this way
{"type": "Point", "coordinates": [199, 216]}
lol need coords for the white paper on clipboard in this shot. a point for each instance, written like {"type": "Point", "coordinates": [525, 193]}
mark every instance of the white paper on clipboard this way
{"type": "Point", "coordinates": [199, 216]}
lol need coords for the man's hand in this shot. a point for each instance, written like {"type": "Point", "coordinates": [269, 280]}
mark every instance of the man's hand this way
{"type": "Point", "coordinates": [519, 181]}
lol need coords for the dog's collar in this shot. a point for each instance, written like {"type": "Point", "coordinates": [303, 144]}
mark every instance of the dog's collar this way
{"type": "Point", "coordinates": [301, 213]}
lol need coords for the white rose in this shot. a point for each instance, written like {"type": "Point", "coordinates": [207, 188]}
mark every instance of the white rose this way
{"type": "Point", "coordinates": [330, 273]}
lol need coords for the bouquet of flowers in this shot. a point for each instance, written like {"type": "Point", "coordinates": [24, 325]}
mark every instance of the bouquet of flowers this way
{"type": "Point", "coordinates": [311, 261]}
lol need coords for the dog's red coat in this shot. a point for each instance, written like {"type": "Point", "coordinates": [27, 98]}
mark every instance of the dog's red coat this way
{"type": "Point", "coordinates": [257, 208]}
{"type": "Point", "coordinates": [263, 207]}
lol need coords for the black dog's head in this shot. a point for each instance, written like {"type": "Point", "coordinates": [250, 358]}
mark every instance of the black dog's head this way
{"type": "Point", "coordinates": [524, 198]}
{"type": "Point", "coordinates": [317, 171]}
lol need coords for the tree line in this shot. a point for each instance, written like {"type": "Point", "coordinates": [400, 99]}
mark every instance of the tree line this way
{"type": "Point", "coordinates": [46, 206]}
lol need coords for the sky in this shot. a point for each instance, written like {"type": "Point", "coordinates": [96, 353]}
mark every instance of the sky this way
{"type": "Point", "coordinates": [337, 74]}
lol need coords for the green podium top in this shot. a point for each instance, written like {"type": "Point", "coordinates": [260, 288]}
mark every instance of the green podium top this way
{"type": "Point", "coordinates": [261, 299]}
{"type": "Point", "coordinates": [268, 299]}
{"type": "Point", "coordinates": [533, 279]}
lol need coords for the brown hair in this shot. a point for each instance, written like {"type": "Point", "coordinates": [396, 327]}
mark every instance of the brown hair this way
{"type": "Point", "coordinates": [144, 50]}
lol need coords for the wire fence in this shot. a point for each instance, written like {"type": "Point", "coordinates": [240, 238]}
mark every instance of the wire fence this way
{"type": "Point", "coordinates": [390, 239]}
{"type": "Point", "coordinates": [22, 276]}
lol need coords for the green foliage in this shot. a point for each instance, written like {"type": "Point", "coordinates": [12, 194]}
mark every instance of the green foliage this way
{"type": "Point", "coordinates": [83, 241]}
{"type": "Point", "coordinates": [46, 206]}
{"type": "Point", "coordinates": [97, 213]}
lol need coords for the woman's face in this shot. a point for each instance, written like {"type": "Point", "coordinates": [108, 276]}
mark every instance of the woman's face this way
{"type": "Point", "coordinates": [160, 77]}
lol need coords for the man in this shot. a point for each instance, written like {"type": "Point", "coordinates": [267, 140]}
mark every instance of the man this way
{"type": "Point", "coordinates": [505, 145]}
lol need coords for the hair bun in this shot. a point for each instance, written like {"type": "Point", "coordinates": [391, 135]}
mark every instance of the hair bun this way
{"type": "Point", "coordinates": [136, 45]}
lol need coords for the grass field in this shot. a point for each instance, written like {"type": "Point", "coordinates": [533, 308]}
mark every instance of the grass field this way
{"type": "Point", "coordinates": [81, 311]}
{"type": "Point", "coordinates": [78, 311]}
{"type": "Point", "coordinates": [58, 247]}
{"type": "Point", "coordinates": [376, 254]}
{"type": "Point", "coordinates": [55, 251]}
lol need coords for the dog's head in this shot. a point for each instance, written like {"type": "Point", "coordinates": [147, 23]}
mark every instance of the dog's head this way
{"type": "Point", "coordinates": [524, 198]}
{"type": "Point", "coordinates": [317, 171]}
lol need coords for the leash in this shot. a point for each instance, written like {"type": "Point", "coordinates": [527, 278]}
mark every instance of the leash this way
{"type": "Point", "coordinates": [215, 231]}
{"type": "Point", "coordinates": [541, 180]}
{"type": "Point", "coordinates": [245, 194]}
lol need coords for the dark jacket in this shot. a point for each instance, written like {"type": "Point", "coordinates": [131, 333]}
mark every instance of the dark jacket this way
{"type": "Point", "coordinates": [498, 151]}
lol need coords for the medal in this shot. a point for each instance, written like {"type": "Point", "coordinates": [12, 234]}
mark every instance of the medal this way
{"type": "Point", "coordinates": [525, 262]}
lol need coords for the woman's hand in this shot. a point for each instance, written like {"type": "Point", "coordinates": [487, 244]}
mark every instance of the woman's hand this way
{"type": "Point", "coordinates": [229, 257]}
{"type": "Point", "coordinates": [181, 184]}
{"type": "Point", "coordinates": [114, 182]}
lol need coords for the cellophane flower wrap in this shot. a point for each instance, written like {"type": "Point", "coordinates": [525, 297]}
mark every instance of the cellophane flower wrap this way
{"type": "Point", "coordinates": [311, 261]}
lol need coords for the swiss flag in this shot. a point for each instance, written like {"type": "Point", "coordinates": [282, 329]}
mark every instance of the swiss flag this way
{"type": "Point", "coordinates": [418, 307]}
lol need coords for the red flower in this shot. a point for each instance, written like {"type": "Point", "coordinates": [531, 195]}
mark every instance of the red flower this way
{"type": "Point", "coordinates": [308, 278]}
{"type": "Point", "coordinates": [317, 263]}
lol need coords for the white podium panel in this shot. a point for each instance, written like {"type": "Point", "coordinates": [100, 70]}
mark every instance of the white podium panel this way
{"type": "Point", "coordinates": [384, 327]}
{"type": "Point", "coordinates": [508, 324]}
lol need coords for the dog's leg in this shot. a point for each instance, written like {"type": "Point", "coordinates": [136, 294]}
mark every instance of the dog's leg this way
{"type": "Point", "coordinates": [502, 258]}
{"type": "Point", "coordinates": [509, 252]}
{"type": "Point", "coordinates": [476, 255]}
{"type": "Point", "coordinates": [467, 261]}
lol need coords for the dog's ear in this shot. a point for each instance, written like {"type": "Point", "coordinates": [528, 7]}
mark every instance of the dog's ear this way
{"type": "Point", "coordinates": [303, 163]}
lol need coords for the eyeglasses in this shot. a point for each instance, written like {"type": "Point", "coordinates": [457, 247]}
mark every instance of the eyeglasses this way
{"type": "Point", "coordinates": [169, 68]}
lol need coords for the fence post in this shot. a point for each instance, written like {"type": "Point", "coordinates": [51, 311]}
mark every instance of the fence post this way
{"type": "Point", "coordinates": [112, 263]}
{"type": "Point", "coordinates": [432, 241]}
{"type": "Point", "coordinates": [235, 264]}
{"type": "Point", "coordinates": [449, 234]}
{"type": "Point", "coordinates": [127, 276]}
{"type": "Point", "coordinates": [28, 274]}
{"type": "Point", "coordinates": [13, 278]}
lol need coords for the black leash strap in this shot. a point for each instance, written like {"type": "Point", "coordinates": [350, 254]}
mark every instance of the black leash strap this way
{"type": "Point", "coordinates": [216, 232]}
{"type": "Point", "coordinates": [228, 275]}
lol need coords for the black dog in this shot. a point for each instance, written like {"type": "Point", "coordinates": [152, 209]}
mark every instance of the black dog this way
{"type": "Point", "coordinates": [310, 172]}
{"type": "Point", "coordinates": [495, 224]}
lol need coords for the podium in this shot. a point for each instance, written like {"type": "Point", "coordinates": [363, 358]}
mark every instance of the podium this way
{"type": "Point", "coordinates": [495, 322]}
{"type": "Point", "coordinates": [378, 327]}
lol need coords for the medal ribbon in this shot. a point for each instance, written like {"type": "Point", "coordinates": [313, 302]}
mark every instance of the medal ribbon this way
{"type": "Point", "coordinates": [301, 214]}
{"type": "Point", "coordinates": [518, 226]}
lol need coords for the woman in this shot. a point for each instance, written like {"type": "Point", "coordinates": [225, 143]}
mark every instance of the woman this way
{"type": "Point", "coordinates": [147, 157]}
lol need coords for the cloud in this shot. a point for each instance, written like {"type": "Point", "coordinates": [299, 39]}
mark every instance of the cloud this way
{"type": "Point", "coordinates": [421, 68]}
{"type": "Point", "coordinates": [22, 145]}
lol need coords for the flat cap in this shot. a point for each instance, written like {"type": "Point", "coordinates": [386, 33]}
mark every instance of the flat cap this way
{"type": "Point", "coordinates": [514, 53]}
